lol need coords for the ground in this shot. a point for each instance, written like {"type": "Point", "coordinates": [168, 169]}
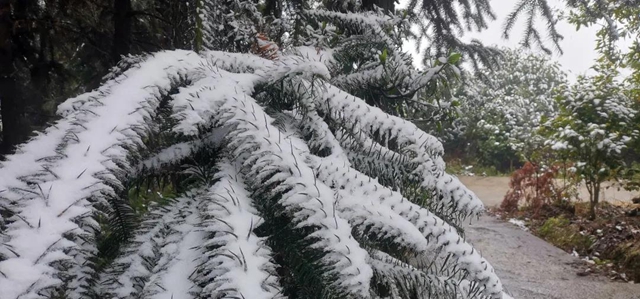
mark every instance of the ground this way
{"type": "Point", "coordinates": [529, 266]}
{"type": "Point", "coordinates": [492, 189]}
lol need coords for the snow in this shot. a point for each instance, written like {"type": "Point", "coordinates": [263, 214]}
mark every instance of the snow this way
{"type": "Point", "coordinates": [364, 20]}
{"type": "Point", "coordinates": [230, 218]}
{"type": "Point", "coordinates": [178, 262]}
{"type": "Point", "coordinates": [511, 106]}
{"type": "Point", "coordinates": [83, 148]}
{"type": "Point", "coordinates": [179, 151]}
{"type": "Point", "coordinates": [145, 257]}
{"type": "Point", "coordinates": [446, 237]}
{"type": "Point", "coordinates": [519, 223]}
{"type": "Point", "coordinates": [203, 242]}
{"type": "Point", "coordinates": [391, 269]}
{"type": "Point", "coordinates": [592, 124]}
{"type": "Point", "coordinates": [256, 139]}
{"type": "Point", "coordinates": [315, 54]}
{"type": "Point", "coordinates": [423, 149]}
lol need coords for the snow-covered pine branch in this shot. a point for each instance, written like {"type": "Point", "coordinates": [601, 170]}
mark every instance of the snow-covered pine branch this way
{"type": "Point", "coordinates": [236, 263]}
{"type": "Point", "coordinates": [59, 182]}
{"type": "Point", "coordinates": [142, 266]}
{"type": "Point", "coordinates": [279, 199]}
{"type": "Point", "coordinates": [357, 186]}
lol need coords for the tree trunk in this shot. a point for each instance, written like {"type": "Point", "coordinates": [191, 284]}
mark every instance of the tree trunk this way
{"type": "Point", "coordinates": [9, 103]}
{"type": "Point", "coordinates": [387, 5]}
{"type": "Point", "coordinates": [122, 25]}
{"type": "Point", "coordinates": [594, 199]}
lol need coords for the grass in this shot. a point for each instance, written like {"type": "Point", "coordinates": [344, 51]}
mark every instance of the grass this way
{"type": "Point", "coordinates": [610, 242]}
{"type": "Point", "coordinates": [560, 232]}
{"type": "Point", "coordinates": [627, 255]}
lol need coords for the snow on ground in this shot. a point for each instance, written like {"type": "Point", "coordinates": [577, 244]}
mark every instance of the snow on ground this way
{"type": "Point", "coordinates": [519, 223]}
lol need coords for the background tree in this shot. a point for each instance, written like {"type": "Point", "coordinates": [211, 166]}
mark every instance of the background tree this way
{"type": "Point", "coordinates": [499, 114]}
{"type": "Point", "coordinates": [62, 47]}
{"type": "Point", "coordinates": [593, 129]}
{"type": "Point", "coordinates": [618, 21]}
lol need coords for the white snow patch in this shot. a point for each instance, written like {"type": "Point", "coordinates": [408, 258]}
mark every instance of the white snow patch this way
{"type": "Point", "coordinates": [519, 223]}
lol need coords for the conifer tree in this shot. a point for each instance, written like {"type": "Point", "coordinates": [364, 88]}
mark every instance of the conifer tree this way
{"type": "Point", "coordinates": [291, 182]}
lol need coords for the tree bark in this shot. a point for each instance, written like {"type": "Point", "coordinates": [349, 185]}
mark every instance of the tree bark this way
{"type": "Point", "coordinates": [594, 198]}
{"type": "Point", "coordinates": [387, 5]}
{"type": "Point", "coordinates": [9, 99]}
{"type": "Point", "coordinates": [122, 25]}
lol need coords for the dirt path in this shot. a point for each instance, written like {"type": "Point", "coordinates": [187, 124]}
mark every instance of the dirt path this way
{"type": "Point", "coordinates": [491, 190]}
{"type": "Point", "coordinates": [529, 267]}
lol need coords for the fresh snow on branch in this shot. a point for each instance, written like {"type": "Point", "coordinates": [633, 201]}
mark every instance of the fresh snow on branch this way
{"type": "Point", "coordinates": [147, 261]}
{"type": "Point", "coordinates": [298, 165]}
{"type": "Point", "coordinates": [49, 239]}
{"type": "Point", "coordinates": [357, 185]}
{"type": "Point", "coordinates": [236, 263]}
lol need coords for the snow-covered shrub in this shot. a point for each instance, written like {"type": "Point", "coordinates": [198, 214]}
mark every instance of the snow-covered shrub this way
{"type": "Point", "coordinates": [592, 130]}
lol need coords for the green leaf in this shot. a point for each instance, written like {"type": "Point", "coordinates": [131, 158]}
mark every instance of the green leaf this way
{"type": "Point", "coordinates": [383, 56]}
{"type": "Point", "coordinates": [454, 58]}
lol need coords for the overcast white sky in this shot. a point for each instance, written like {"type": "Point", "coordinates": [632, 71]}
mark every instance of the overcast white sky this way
{"type": "Point", "coordinates": [578, 46]}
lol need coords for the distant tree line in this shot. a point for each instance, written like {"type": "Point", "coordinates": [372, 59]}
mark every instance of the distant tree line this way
{"type": "Point", "coordinates": [50, 50]}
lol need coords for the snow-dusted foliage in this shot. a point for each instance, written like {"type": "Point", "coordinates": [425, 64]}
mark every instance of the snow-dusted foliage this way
{"type": "Point", "coordinates": [227, 25]}
{"type": "Point", "coordinates": [292, 183]}
{"type": "Point", "coordinates": [58, 185]}
{"type": "Point", "coordinates": [592, 129]}
{"type": "Point", "coordinates": [594, 117]}
{"type": "Point", "coordinates": [503, 109]}
{"type": "Point", "coordinates": [369, 64]}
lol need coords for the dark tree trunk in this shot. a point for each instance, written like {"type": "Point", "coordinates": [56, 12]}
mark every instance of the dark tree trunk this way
{"type": "Point", "coordinates": [387, 5]}
{"type": "Point", "coordinates": [595, 200]}
{"type": "Point", "coordinates": [9, 99]}
{"type": "Point", "coordinates": [176, 23]}
{"type": "Point", "coordinates": [122, 25]}
{"type": "Point", "coordinates": [594, 197]}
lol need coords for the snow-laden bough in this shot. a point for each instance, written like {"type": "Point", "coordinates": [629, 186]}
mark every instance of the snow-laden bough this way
{"type": "Point", "coordinates": [300, 168]}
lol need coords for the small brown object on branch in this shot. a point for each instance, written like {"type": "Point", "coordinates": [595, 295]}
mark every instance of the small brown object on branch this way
{"type": "Point", "coordinates": [636, 200]}
{"type": "Point", "coordinates": [265, 48]}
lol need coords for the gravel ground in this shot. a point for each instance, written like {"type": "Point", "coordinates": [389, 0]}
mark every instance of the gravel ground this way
{"type": "Point", "coordinates": [530, 267]}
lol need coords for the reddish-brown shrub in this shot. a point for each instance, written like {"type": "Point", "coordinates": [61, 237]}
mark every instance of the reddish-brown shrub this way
{"type": "Point", "coordinates": [533, 187]}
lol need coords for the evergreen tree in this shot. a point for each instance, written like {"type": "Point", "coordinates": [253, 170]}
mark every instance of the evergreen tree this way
{"type": "Point", "coordinates": [499, 116]}
{"type": "Point", "coordinates": [290, 181]}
